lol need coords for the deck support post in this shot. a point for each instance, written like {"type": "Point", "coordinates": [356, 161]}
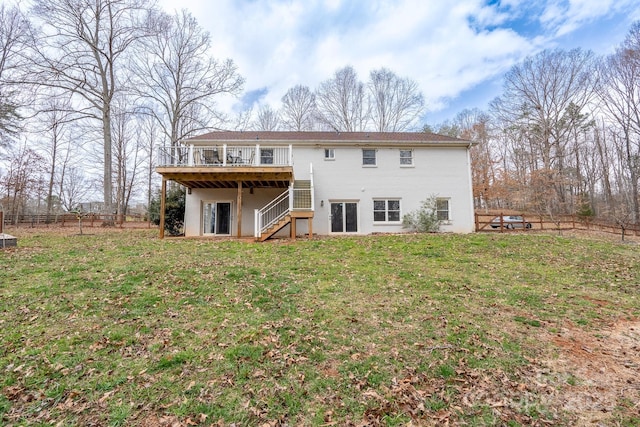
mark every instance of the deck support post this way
{"type": "Point", "coordinates": [163, 197]}
{"type": "Point", "coordinates": [239, 209]}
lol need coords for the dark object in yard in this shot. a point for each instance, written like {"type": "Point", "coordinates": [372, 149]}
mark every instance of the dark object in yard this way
{"type": "Point", "coordinates": [7, 241]}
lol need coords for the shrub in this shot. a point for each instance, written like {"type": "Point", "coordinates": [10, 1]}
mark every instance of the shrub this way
{"type": "Point", "coordinates": [584, 210]}
{"type": "Point", "coordinates": [425, 219]}
{"type": "Point", "coordinates": [174, 210]}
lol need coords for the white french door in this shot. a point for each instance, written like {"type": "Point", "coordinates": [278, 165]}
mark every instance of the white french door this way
{"type": "Point", "coordinates": [344, 217]}
{"type": "Point", "coordinates": [216, 218]}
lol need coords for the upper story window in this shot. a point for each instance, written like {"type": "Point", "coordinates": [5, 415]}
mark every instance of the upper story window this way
{"type": "Point", "coordinates": [406, 157]}
{"type": "Point", "coordinates": [368, 157]}
{"type": "Point", "coordinates": [442, 208]}
{"type": "Point", "coordinates": [329, 154]}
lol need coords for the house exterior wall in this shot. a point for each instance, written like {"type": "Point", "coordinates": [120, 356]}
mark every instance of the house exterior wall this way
{"type": "Point", "coordinates": [440, 171]}
{"type": "Point", "coordinates": [250, 202]}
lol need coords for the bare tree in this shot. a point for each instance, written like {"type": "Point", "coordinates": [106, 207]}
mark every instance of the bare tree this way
{"type": "Point", "coordinates": [619, 91]}
{"type": "Point", "coordinates": [476, 126]}
{"type": "Point", "coordinates": [268, 119]}
{"type": "Point", "coordinates": [15, 33]}
{"type": "Point", "coordinates": [299, 110]}
{"type": "Point", "coordinates": [243, 120]}
{"type": "Point", "coordinates": [603, 154]}
{"type": "Point", "coordinates": [82, 50]}
{"type": "Point", "coordinates": [55, 115]}
{"type": "Point", "coordinates": [341, 102]}
{"type": "Point", "coordinates": [396, 103]}
{"type": "Point", "coordinates": [180, 78]}
{"type": "Point", "coordinates": [149, 134]}
{"type": "Point", "coordinates": [74, 188]}
{"type": "Point", "coordinates": [541, 97]}
{"type": "Point", "coordinates": [22, 180]}
{"type": "Point", "coordinates": [127, 158]}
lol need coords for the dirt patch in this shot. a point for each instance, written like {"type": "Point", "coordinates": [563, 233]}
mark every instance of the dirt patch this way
{"type": "Point", "coordinates": [597, 372]}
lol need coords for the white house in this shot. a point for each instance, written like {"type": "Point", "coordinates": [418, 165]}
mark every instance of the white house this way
{"type": "Point", "coordinates": [296, 183]}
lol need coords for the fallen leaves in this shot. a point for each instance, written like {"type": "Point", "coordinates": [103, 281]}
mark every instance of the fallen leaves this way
{"type": "Point", "coordinates": [222, 334]}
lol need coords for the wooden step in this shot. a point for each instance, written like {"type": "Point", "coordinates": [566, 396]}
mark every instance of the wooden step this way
{"type": "Point", "coordinates": [302, 183]}
{"type": "Point", "coordinates": [275, 228]}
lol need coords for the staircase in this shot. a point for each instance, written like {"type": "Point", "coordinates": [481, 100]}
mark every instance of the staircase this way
{"type": "Point", "coordinates": [296, 202]}
{"type": "Point", "coordinates": [274, 228]}
{"type": "Point", "coordinates": [302, 195]}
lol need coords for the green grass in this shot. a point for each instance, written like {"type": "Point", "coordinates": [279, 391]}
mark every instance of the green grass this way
{"type": "Point", "coordinates": [116, 328]}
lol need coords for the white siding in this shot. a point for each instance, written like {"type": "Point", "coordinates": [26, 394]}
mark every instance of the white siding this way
{"type": "Point", "coordinates": [440, 171]}
{"type": "Point", "coordinates": [443, 172]}
{"type": "Point", "coordinates": [250, 202]}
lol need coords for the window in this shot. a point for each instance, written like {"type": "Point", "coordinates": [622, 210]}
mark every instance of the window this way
{"type": "Point", "coordinates": [266, 156]}
{"type": "Point", "coordinates": [406, 157]}
{"type": "Point", "coordinates": [368, 157]}
{"type": "Point", "coordinates": [329, 154]}
{"type": "Point", "coordinates": [387, 210]}
{"type": "Point", "coordinates": [442, 208]}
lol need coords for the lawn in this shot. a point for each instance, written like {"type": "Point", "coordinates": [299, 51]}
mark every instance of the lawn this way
{"type": "Point", "coordinates": [120, 328]}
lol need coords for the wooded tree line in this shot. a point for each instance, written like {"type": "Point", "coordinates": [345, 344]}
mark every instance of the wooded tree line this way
{"type": "Point", "coordinates": [563, 138]}
{"type": "Point", "coordinates": [90, 89]}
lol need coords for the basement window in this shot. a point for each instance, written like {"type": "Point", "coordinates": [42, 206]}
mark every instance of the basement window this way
{"type": "Point", "coordinates": [442, 208]}
{"type": "Point", "coordinates": [386, 210]}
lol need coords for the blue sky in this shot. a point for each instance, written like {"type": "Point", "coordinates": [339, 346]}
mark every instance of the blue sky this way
{"type": "Point", "coordinates": [457, 50]}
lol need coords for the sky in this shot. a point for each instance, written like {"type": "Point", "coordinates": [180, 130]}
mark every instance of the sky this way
{"type": "Point", "coordinates": [456, 50]}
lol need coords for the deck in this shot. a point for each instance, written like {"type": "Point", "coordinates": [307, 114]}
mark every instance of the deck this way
{"type": "Point", "coordinates": [237, 167]}
{"type": "Point", "coordinates": [227, 166]}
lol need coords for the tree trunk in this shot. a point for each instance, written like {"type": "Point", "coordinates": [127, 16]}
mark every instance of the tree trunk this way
{"type": "Point", "coordinates": [107, 170]}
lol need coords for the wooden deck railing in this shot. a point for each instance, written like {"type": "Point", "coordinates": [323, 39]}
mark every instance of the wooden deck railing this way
{"type": "Point", "coordinates": [225, 155]}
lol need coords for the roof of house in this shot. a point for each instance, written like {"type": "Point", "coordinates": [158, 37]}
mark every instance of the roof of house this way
{"type": "Point", "coordinates": [357, 138]}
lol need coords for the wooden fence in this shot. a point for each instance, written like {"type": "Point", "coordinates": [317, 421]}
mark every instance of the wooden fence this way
{"type": "Point", "coordinates": [70, 219]}
{"type": "Point", "coordinates": [484, 223]}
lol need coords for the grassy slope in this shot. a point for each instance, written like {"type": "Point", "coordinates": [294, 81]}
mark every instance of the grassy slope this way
{"type": "Point", "coordinates": [125, 329]}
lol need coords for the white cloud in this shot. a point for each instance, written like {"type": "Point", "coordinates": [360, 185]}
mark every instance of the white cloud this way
{"type": "Point", "coordinates": [564, 16]}
{"type": "Point", "coordinates": [447, 47]}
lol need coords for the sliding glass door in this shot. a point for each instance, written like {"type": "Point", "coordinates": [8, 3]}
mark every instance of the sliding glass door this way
{"type": "Point", "coordinates": [216, 218]}
{"type": "Point", "coordinates": [344, 217]}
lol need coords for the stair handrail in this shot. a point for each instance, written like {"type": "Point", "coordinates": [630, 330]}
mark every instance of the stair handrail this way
{"type": "Point", "coordinates": [279, 207]}
{"type": "Point", "coordinates": [273, 211]}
